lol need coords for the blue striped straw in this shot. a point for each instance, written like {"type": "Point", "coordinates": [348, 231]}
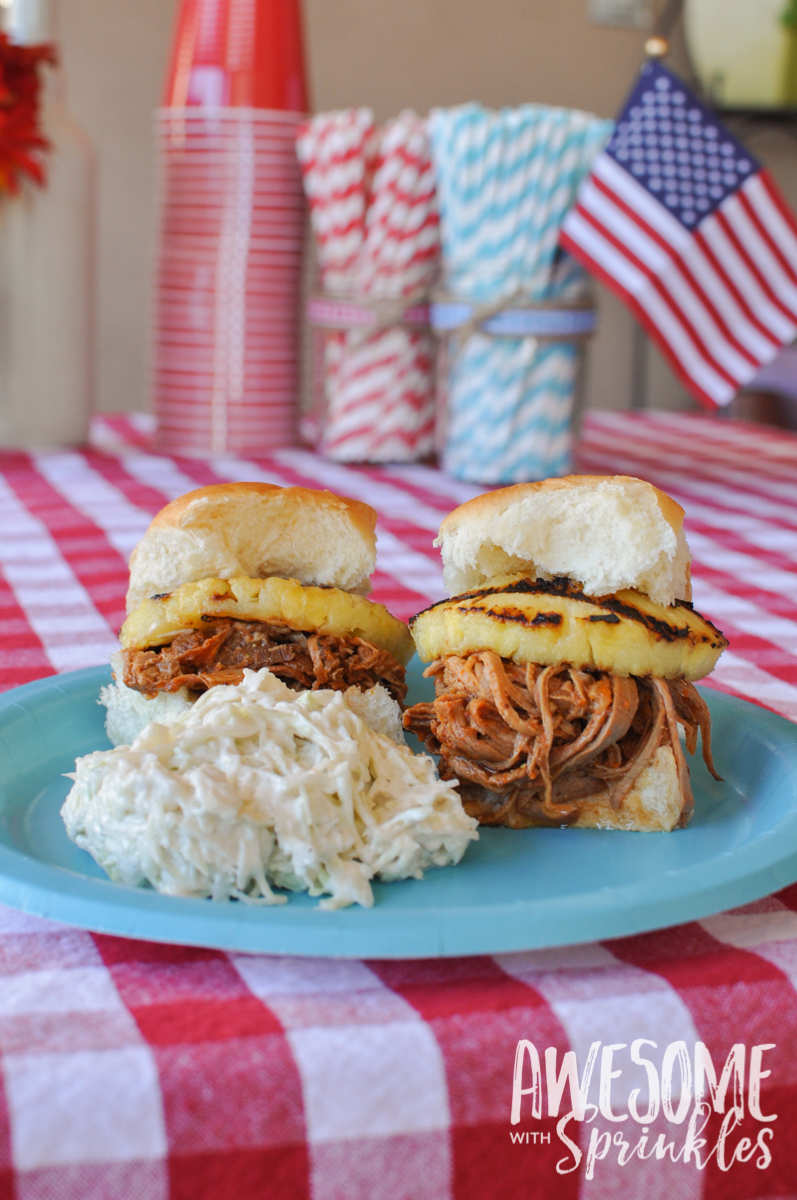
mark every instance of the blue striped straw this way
{"type": "Point", "coordinates": [505, 181]}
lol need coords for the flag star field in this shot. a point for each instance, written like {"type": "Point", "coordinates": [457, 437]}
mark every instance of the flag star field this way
{"type": "Point", "coordinates": [676, 149]}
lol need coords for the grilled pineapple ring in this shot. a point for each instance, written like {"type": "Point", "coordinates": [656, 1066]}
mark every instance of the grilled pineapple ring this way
{"type": "Point", "coordinates": [319, 609]}
{"type": "Point", "coordinates": [550, 622]}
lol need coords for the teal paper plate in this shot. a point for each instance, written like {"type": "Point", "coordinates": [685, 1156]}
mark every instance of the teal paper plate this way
{"type": "Point", "coordinates": [514, 890]}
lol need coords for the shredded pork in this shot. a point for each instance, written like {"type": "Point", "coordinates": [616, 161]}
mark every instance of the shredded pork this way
{"type": "Point", "coordinates": [528, 742]}
{"type": "Point", "coordinates": [199, 659]}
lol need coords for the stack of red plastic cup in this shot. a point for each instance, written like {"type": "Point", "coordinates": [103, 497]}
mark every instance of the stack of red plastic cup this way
{"type": "Point", "coordinates": [226, 353]}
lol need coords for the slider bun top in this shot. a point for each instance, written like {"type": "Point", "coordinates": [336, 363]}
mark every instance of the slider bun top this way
{"type": "Point", "coordinates": [608, 532]}
{"type": "Point", "coordinates": [257, 530]}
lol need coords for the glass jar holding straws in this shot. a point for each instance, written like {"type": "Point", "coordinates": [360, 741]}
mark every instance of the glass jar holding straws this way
{"type": "Point", "coordinates": [372, 379]}
{"type": "Point", "coordinates": [510, 385]}
{"type": "Point", "coordinates": [373, 210]}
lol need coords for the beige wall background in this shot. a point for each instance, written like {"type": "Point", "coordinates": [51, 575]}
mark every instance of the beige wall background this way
{"type": "Point", "coordinates": [388, 54]}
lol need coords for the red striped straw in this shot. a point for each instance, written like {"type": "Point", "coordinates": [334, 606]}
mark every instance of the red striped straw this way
{"type": "Point", "coordinates": [376, 226]}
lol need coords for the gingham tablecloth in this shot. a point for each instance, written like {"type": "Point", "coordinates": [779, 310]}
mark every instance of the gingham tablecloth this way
{"type": "Point", "coordinates": [133, 1070]}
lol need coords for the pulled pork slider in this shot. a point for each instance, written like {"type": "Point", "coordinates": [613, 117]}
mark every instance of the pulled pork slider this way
{"type": "Point", "coordinates": [565, 660]}
{"type": "Point", "coordinates": [252, 575]}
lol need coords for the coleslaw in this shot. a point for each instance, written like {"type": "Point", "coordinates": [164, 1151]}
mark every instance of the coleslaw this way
{"type": "Point", "coordinates": [257, 786]}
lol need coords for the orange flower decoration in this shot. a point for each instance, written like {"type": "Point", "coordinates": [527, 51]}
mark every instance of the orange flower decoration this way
{"type": "Point", "coordinates": [21, 140]}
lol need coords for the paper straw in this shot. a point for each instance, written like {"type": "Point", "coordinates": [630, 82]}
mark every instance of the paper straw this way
{"type": "Point", "coordinates": [375, 217]}
{"type": "Point", "coordinates": [505, 181]}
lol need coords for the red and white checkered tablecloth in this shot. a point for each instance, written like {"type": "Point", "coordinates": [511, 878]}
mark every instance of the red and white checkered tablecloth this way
{"type": "Point", "coordinates": [146, 1072]}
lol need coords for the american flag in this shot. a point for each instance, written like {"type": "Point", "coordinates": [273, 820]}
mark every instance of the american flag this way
{"type": "Point", "coordinates": [683, 224]}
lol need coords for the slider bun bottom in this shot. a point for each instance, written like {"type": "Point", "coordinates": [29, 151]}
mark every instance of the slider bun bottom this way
{"type": "Point", "coordinates": [313, 609]}
{"type": "Point", "coordinates": [652, 806]}
{"type": "Point", "coordinates": [129, 711]}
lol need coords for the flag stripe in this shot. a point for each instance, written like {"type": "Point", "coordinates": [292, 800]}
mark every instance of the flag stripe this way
{"type": "Point", "coordinates": [755, 252]}
{"type": "Point", "coordinates": [688, 272]}
{"type": "Point", "coordinates": [716, 234]}
{"type": "Point", "coordinates": [667, 315]}
{"type": "Point", "coordinates": [689, 251]}
{"type": "Point", "coordinates": [766, 345]}
{"type": "Point", "coordinates": [686, 301]}
{"type": "Point", "coordinates": [773, 213]}
{"type": "Point", "coordinates": [778, 252]}
{"type": "Point", "coordinates": [616, 273]}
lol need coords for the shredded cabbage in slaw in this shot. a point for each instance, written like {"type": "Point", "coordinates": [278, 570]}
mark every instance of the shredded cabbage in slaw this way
{"type": "Point", "coordinates": [256, 787]}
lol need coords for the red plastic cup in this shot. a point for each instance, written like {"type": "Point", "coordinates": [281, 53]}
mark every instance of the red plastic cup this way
{"type": "Point", "coordinates": [225, 369]}
{"type": "Point", "coordinates": [238, 53]}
